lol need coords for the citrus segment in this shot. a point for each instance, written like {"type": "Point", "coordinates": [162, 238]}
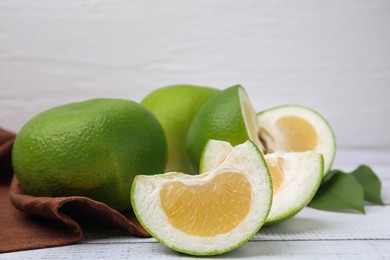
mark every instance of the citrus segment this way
{"type": "Point", "coordinates": [210, 213]}
{"type": "Point", "coordinates": [218, 205]}
{"type": "Point", "coordinates": [276, 172]}
{"type": "Point", "coordinates": [299, 135]}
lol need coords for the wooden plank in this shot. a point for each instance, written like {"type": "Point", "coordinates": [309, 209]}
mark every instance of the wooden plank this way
{"type": "Point", "coordinates": [309, 224]}
{"type": "Point", "coordinates": [312, 224]}
{"type": "Point", "coordinates": [363, 249]}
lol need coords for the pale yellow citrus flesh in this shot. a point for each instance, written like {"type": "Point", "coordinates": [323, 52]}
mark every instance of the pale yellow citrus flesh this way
{"type": "Point", "coordinates": [215, 207]}
{"type": "Point", "coordinates": [276, 171]}
{"type": "Point", "coordinates": [298, 134]}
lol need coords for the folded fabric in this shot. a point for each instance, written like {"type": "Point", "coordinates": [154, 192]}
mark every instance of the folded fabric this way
{"type": "Point", "coordinates": [6, 142]}
{"type": "Point", "coordinates": [29, 222]}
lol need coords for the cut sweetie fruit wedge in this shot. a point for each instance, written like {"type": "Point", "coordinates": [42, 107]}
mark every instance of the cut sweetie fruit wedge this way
{"type": "Point", "coordinates": [296, 177]}
{"type": "Point", "coordinates": [227, 116]}
{"type": "Point", "coordinates": [206, 214]}
{"type": "Point", "coordinates": [294, 128]}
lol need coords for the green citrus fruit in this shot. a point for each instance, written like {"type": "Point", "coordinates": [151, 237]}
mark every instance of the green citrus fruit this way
{"type": "Point", "coordinates": [296, 177]}
{"type": "Point", "coordinates": [293, 128]}
{"type": "Point", "coordinates": [209, 213]}
{"type": "Point", "coordinates": [92, 148]}
{"type": "Point", "coordinates": [227, 116]}
{"type": "Point", "coordinates": [175, 107]}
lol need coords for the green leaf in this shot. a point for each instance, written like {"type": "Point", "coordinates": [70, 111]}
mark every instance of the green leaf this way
{"type": "Point", "coordinates": [339, 192]}
{"type": "Point", "coordinates": [370, 183]}
{"type": "Point", "coordinates": [330, 175]}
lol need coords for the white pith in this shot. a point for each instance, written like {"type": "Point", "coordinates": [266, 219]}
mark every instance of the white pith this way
{"type": "Point", "coordinates": [214, 153]}
{"type": "Point", "coordinates": [244, 159]}
{"type": "Point", "coordinates": [269, 132]}
{"type": "Point", "coordinates": [250, 118]}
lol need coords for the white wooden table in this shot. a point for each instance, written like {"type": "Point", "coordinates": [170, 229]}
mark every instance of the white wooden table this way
{"type": "Point", "coordinates": [312, 234]}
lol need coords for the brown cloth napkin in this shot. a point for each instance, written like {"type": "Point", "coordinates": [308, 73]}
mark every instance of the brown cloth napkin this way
{"type": "Point", "coordinates": [28, 222]}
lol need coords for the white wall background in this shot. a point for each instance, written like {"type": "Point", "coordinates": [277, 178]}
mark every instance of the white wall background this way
{"type": "Point", "coordinates": [331, 55]}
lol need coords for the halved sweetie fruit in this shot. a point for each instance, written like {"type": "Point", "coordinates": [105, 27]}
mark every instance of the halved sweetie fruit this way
{"type": "Point", "coordinates": [293, 128]}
